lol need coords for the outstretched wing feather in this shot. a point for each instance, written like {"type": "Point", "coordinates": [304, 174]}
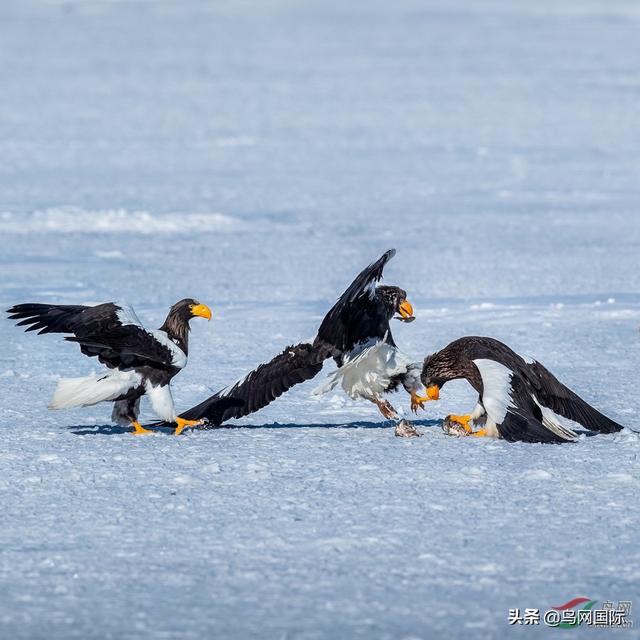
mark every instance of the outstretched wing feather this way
{"type": "Point", "coordinates": [263, 385]}
{"type": "Point", "coordinates": [99, 332]}
{"type": "Point", "coordinates": [560, 399]}
{"type": "Point", "coordinates": [335, 329]}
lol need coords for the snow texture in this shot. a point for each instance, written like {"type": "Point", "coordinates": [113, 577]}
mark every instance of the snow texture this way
{"type": "Point", "coordinates": [256, 156]}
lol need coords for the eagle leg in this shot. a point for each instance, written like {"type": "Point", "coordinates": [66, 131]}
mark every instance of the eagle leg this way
{"type": "Point", "coordinates": [386, 409]}
{"type": "Point", "coordinates": [404, 428]}
{"type": "Point", "coordinates": [182, 423]}
{"type": "Point", "coordinates": [139, 430]}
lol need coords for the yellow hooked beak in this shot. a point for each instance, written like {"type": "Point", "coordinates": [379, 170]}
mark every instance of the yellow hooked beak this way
{"type": "Point", "coordinates": [406, 311]}
{"type": "Point", "coordinates": [433, 392]}
{"type": "Point", "coordinates": [201, 310]}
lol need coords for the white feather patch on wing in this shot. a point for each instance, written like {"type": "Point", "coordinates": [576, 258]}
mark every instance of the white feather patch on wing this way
{"type": "Point", "coordinates": [527, 359]}
{"type": "Point", "coordinates": [497, 394]}
{"type": "Point", "coordinates": [126, 315]}
{"type": "Point", "coordinates": [161, 401]}
{"type": "Point", "coordinates": [367, 370]}
{"type": "Point", "coordinates": [227, 390]}
{"type": "Point", "coordinates": [100, 387]}
{"type": "Point", "coordinates": [370, 289]}
{"type": "Point", "coordinates": [553, 422]}
{"type": "Point", "coordinates": [178, 356]}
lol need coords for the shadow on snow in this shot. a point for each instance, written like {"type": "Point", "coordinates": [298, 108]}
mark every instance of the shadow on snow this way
{"type": "Point", "coordinates": [112, 430]}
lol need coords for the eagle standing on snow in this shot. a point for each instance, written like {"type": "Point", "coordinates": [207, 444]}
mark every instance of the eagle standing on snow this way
{"type": "Point", "coordinates": [140, 361]}
{"type": "Point", "coordinates": [357, 335]}
{"type": "Point", "coordinates": [520, 400]}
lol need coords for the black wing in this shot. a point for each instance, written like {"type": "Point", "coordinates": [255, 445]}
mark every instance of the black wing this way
{"type": "Point", "coordinates": [509, 400]}
{"type": "Point", "coordinates": [296, 363]}
{"type": "Point", "coordinates": [525, 421]}
{"type": "Point", "coordinates": [518, 427]}
{"type": "Point", "coordinates": [560, 399]}
{"type": "Point", "coordinates": [357, 315]}
{"type": "Point", "coordinates": [263, 385]}
{"type": "Point", "coordinates": [99, 332]}
{"type": "Point", "coordinates": [549, 391]}
{"type": "Point", "coordinates": [47, 318]}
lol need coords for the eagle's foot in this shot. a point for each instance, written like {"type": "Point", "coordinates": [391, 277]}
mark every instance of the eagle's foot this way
{"type": "Point", "coordinates": [453, 428]}
{"type": "Point", "coordinates": [462, 420]}
{"type": "Point", "coordinates": [404, 429]}
{"type": "Point", "coordinates": [182, 424]}
{"type": "Point", "coordinates": [460, 426]}
{"type": "Point", "coordinates": [417, 402]}
{"type": "Point", "coordinates": [139, 430]}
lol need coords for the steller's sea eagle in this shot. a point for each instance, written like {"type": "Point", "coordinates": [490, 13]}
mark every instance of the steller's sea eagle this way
{"type": "Point", "coordinates": [139, 361]}
{"type": "Point", "coordinates": [520, 400]}
{"type": "Point", "coordinates": [356, 333]}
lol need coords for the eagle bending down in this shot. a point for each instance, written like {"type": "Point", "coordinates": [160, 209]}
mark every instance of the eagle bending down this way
{"type": "Point", "coordinates": [519, 399]}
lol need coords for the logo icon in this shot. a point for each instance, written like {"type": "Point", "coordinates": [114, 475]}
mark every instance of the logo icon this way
{"type": "Point", "coordinates": [568, 615]}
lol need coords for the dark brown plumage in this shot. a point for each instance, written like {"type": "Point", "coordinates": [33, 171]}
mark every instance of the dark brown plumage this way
{"type": "Point", "coordinates": [518, 395]}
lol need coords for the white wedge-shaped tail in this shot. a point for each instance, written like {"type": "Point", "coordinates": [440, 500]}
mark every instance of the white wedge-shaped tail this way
{"type": "Point", "coordinates": [100, 387]}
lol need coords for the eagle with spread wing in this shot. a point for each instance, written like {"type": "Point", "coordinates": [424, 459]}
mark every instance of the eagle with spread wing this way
{"type": "Point", "coordinates": [356, 333]}
{"type": "Point", "coordinates": [138, 361]}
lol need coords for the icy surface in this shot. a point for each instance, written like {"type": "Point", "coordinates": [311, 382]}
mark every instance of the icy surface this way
{"type": "Point", "coordinates": [256, 156]}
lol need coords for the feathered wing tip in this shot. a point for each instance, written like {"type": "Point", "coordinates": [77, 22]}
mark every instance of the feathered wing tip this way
{"type": "Point", "coordinates": [366, 278]}
{"type": "Point", "coordinates": [215, 414]}
{"type": "Point", "coordinates": [263, 385]}
{"type": "Point", "coordinates": [217, 410]}
{"type": "Point", "coordinates": [567, 403]}
{"type": "Point", "coordinates": [46, 318]}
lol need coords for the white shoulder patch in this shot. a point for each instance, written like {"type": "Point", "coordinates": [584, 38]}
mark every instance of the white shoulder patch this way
{"type": "Point", "coordinates": [370, 289]}
{"type": "Point", "coordinates": [497, 395]}
{"type": "Point", "coordinates": [527, 359]}
{"type": "Point", "coordinates": [126, 314]}
{"type": "Point", "coordinates": [178, 356]}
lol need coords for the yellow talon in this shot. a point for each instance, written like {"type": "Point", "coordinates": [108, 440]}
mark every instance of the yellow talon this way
{"type": "Point", "coordinates": [464, 421]}
{"type": "Point", "coordinates": [417, 401]}
{"type": "Point", "coordinates": [182, 423]}
{"type": "Point", "coordinates": [481, 433]}
{"type": "Point", "coordinates": [139, 430]}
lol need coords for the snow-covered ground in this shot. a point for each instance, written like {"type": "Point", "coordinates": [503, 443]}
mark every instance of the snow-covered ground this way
{"type": "Point", "coordinates": [256, 155]}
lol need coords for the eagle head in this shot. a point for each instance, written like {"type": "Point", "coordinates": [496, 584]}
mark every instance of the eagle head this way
{"type": "Point", "coordinates": [395, 300]}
